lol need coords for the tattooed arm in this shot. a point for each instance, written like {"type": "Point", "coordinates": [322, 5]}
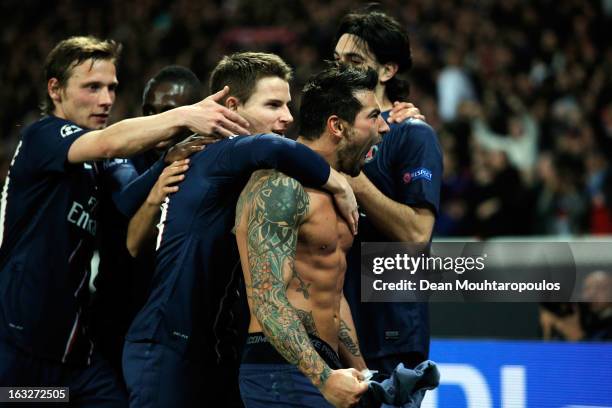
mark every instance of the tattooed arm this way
{"type": "Point", "coordinates": [349, 345]}
{"type": "Point", "coordinates": [278, 206]}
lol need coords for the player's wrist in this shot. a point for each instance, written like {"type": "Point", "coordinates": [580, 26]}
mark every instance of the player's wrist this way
{"type": "Point", "coordinates": [153, 202]}
{"type": "Point", "coordinates": [179, 117]}
{"type": "Point", "coordinates": [358, 184]}
{"type": "Point", "coordinates": [320, 379]}
{"type": "Point", "coordinates": [336, 184]}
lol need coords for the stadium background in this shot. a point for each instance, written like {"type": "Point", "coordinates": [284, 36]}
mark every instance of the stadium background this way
{"type": "Point", "coordinates": [480, 67]}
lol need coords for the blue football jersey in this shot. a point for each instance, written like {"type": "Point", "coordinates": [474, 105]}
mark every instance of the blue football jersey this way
{"type": "Point", "coordinates": [47, 225]}
{"type": "Point", "coordinates": [197, 254]}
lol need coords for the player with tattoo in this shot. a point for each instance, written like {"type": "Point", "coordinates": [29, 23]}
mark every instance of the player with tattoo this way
{"type": "Point", "coordinates": [180, 346]}
{"type": "Point", "coordinates": [292, 244]}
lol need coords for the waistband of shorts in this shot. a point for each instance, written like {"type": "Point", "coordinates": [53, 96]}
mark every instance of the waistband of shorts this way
{"type": "Point", "coordinates": [258, 350]}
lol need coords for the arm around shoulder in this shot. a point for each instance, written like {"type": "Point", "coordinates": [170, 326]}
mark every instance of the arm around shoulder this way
{"type": "Point", "coordinates": [127, 137]}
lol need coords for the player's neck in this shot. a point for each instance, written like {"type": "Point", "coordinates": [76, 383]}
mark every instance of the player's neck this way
{"type": "Point", "coordinates": [323, 148]}
{"type": "Point", "coordinates": [382, 98]}
{"type": "Point", "coordinates": [58, 112]}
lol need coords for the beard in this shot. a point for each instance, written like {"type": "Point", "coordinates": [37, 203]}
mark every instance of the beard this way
{"type": "Point", "coordinates": [351, 155]}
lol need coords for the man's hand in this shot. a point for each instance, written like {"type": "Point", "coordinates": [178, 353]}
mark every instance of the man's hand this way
{"type": "Point", "coordinates": [344, 387]}
{"type": "Point", "coordinates": [404, 110]}
{"type": "Point", "coordinates": [209, 118]}
{"type": "Point", "coordinates": [187, 147]}
{"type": "Point", "coordinates": [166, 182]}
{"type": "Point", "coordinates": [344, 198]}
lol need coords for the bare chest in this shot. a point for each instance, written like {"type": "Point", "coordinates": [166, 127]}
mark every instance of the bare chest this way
{"type": "Point", "coordinates": [325, 231]}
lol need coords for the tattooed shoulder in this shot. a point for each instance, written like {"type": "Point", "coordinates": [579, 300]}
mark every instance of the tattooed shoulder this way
{"type": "Point", "coordinates": [246, 196]}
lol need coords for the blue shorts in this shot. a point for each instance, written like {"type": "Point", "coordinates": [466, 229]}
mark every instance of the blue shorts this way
{"type": "Point", "coordinates": [267, 380]}
{"type": "Point", "coordinates": [95, 385]}
{"type": "Point", "coordinates": [159, 376]}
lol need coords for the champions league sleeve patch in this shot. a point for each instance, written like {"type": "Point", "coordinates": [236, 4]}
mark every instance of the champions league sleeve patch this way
{"type": "Point", "coordinates": [68, 130]}
{"type": "Point", "coordinates": [418, 174]}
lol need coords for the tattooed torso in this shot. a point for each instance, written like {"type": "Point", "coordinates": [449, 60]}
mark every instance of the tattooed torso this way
{"type": "Point", "coordinates": [313, 272]}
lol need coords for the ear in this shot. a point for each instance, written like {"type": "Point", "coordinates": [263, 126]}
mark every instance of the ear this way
{"type": "Point", "coordinates": [387, 71]}
{"type": "Point", "coordinates": [335, 127]}
{"type": "Point", "coordinates": [232, 103]}
{"type": "Point", "coordinates": [54, 90]}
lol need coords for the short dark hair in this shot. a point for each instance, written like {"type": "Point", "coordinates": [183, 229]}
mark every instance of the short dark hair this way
{"type": "Point", "coordinates": [177, 74]}
{"type": "Point", "coordinates": [332, 92]}
{"type": "Point", "coordinates": [71, 52]}
{"type": "Point", "coordinates": [386, 39]}
{"type": "Point", "coordinates": [242, 70]}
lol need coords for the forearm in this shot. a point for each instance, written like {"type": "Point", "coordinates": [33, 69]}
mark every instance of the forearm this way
{"type": "Point", "coordinates": [336, 183]}
{"type": "Point", "coordinates": [287, 156]}
{"type": "Point", "coordinates": [349, 344]}
{"type": "Point", "coordinates": [282, 326]}
{"type": "Point", "coordinates": [142, 227]}
{"type": "Point", "coordinates": [130, 198]}
{"type": "Point", "coordinates": [127, 137]}
{"type": "Point", "coordinates": [399, 222]}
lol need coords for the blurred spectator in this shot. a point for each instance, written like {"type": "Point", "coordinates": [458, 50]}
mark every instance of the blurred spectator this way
{"type": "Point", "coordinates": [456, 185]}
{"type": "Point", "coordinates": [561, 207]}
{"type": "Point", "coordinates": [599, 177]}
{"type": "Point", "coordinates": [497, 201]}
{"type": "Point", "coordinates": [520, 144]}
{"type": "Point", "coordinates": [591, 320]}
{"type": "Point", "coordinates": [454, 86]}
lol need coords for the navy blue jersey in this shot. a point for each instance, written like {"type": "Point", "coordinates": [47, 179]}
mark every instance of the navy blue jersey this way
{"type": "Point", "coordinates": [117, 270]}
{"type": "Point", "coordinates": [406, 166]}
{"type": "Point", "coordinates": [47, 226]}
{"type": "Point", "coordinates": [197, 253]}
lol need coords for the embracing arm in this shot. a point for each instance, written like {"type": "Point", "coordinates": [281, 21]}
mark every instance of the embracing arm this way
{"type": "Point", "coordinates": [131, 136]}
{"type": "Point", "coordinates": [141, 230]}
{"type": "Point", "coordinates": [400, 222]}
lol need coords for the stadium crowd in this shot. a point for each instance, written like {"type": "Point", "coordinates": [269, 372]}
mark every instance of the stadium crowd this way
{"type": "Point", "coordinates": [520, 92]}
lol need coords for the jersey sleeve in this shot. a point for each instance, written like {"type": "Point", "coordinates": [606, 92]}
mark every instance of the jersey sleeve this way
{"type": "Point", "coordinates": [250, 153]}
{"type": "Point", "coordinates": [47, 144]}
{"type": "Point", "coordinates": [418, 164]}
{"type": "Point", "coordinates": [130, 196]}
{"type": "Point", "coordinates": [117, 175]}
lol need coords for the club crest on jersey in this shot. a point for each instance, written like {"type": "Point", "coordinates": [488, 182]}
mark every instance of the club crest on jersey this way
{"type": "Point", "coordinates": [67, 130]}
{"type": "Point", "coordinates": [371, 153]}
{"type": "Point", "coordinates": [417, 174]}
